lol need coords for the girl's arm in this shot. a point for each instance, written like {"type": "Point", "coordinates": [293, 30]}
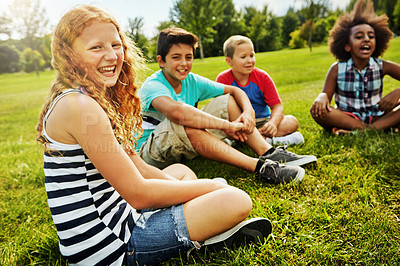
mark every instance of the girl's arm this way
{"type": "Point", "coordinates": [321, 104]}
{"type": "Point", "coordinates": [173, 172]}
{"type": "Point", "coordinates": [392, 69]}
{"type": "Point", "coordinates": [388, 102]}
{"type": "Point", "coordinates": [148, 171]}
{"type": "Point", "coordinates": [97, 139]}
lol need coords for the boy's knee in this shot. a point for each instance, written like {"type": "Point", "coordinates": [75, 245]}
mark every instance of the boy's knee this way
{"type": "Point", "coordinates": [232, 103]}
{"type": "Point", "coordinates": [193, 131]}
{"type": "Point", "coordinates": [293, 120]}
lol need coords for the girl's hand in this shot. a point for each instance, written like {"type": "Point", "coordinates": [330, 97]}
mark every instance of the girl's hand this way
{"type": "Point", "coordinates": [390, 101]}
{"type": "Point", "coordinates": [321, 105]}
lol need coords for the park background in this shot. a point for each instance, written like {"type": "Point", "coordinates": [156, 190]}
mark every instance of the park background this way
{"type": "Point", "coordinates": [346, 211]}
{"type": "Point", "coordinates": [26, 26]}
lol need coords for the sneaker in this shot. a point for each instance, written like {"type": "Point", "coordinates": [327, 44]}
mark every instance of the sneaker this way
{"type": "Point", "coordinates": [230, 142]}
{"type": "Point", "coordinates": [275, 173]}
{"type": "Point", "coordinates": [221, 180]}
{"type": "Point", "coordinates": [296, 138]}
{"type": "Point", "coordinates": [281, 155]}
{"type": "Point", "coordinates": [254, 230]}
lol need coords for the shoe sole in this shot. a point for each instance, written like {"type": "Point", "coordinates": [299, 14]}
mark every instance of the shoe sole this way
{"type": "Point", "coordinates": [302, 161]}
{"type": "Point", "coordinates": [254, 230]}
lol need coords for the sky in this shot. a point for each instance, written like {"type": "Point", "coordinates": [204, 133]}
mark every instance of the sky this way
{"type": "Point", "coordinates": [155, 11]}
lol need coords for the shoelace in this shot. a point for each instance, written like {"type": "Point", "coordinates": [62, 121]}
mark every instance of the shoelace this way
{"type": "Point", "coordinates": [288, 153]}
{"type": "Point", "coordinates": [268, 170]}
{"type": "Point", "coordinates": [196, 247]}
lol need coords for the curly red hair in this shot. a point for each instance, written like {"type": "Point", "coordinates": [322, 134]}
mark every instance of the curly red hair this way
{"type": "Point", "coordinates": [120, 102]}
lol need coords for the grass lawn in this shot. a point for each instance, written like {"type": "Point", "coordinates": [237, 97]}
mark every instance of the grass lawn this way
{"type": "Point", "coordinates": [346, 210]}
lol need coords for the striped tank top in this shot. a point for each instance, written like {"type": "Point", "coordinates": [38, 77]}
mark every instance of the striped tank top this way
{"type": "Point", "coordinates": [94, 223]}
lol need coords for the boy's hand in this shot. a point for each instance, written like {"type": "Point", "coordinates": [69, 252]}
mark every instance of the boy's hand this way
{"type": "Point", "coordinates": [390, 101]}
{"type": "Point", "coordinates": [269, 129]}
{"type": "Point", "coordinates": [235, 131]}
{"type": "Point", "coordinates": [248, 121]}
{"type": "Point", "coordinates": [321, 105]}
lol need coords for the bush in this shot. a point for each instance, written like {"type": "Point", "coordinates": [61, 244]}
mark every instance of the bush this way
{"type": "Point", "coordinates": [296, 41]}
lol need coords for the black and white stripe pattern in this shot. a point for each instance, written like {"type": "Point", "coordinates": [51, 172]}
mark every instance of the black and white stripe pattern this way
{"type": "Point", "coordinates": [93, 222]}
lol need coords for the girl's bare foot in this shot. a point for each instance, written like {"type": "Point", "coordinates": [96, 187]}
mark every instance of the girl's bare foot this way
{"type": "Point", "coordinates": [339, 131]}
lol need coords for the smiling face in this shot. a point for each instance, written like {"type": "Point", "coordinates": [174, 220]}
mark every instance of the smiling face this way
{"type": "Point", "coordinates": [243, 59]}
{"type": "Point", "coordinates": [100, 48]}
{"type": "Point", "coordinates": [362, 42]}
{"type": "Point", "coordinates": [178, 63]}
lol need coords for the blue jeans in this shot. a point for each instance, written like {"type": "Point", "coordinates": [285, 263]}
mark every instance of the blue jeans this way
{"type": "Point", "coordinates": [158, 236]}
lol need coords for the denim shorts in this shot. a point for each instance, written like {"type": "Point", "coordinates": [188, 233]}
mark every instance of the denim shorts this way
{"type": "Point", "coordinates": [158, 236]}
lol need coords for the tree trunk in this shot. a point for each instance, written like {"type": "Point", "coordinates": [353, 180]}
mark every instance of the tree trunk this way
{"type": "Point", "coordinates": [201, 47]}
{"type": "Point", "coordinates": [35, 61]}
{"type": "Point", "coordinates": [310, 37]}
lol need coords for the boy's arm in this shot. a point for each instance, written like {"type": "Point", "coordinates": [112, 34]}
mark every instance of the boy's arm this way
{"type": "Point", "coordinates": [248, 115]}
{"type": "Point", "coordinates": [271, 127]}
{"type": "Point", "coordinates": [189, 116]}
{"type": "Point", "coordinates": [388, 102]}
{"type": "Point", "coordinates": [321, 104]}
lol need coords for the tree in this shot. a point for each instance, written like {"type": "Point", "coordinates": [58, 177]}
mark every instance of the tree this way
{"type": "Point", "coordinates": [290, 23]}
{"type": "Point", "coordinates": [135, 32]}
{"type": "Point", "coordinates": [313, 9]}
{"type": "Point", "coordinates": [29, 20]}
{"type": "Point", "coordinates": [32, 60]}
{"type": "Point", "coordinates": [264, 28]}
{"type": "Point", "coordinates": [396, 14]}
{"type": "Point", "coordinates": [198, 16]}
{"type": "Point", "coordinates": [9, 58]}
{"type": "Point", "coordinates": [321, 31]}
{"type": "Point", "coordinates": [152, 55]}
{"type": "Point", "coordinates": [257, 29]}
{"type": "Point", "coordinates": [232, 23]}
{"type": "Point", "coordinates": [387, 7]}
{"type": "Point", "coordinates": [305, 30]}
{"type": "Point", "coordinates": [272, 40]}
{"type": "Point", "coordinates": [45, 50]}
{"type": "Point", "coordinates": [5, 25]}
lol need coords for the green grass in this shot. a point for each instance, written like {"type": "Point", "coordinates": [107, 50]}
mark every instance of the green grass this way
{"type": "Point", "coordinates": [346, 211]}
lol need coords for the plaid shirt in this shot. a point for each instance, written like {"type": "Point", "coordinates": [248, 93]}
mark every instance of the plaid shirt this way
{"type": "Point", "coordinates": [359, 92]}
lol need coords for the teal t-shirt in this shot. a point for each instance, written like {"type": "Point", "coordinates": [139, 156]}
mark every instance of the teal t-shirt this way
{"type": "Point", "coordinates": [195, 88]}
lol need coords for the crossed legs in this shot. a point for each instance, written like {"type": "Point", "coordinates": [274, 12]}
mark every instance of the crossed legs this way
{"type": "Point", "coordinates": [211, 147]}
{"type": "Point", "coordinates": [230, 206]}
{"type": "Point", "coordinates": [341, 120]}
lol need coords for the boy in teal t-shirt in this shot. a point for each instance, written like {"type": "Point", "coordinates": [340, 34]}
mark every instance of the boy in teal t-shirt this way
{"type": "Point", "coordinates": [175, 130]}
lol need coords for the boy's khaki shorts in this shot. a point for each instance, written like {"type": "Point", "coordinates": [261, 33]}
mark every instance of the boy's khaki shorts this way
{"type": "Point", "coordinates": [169, 144]}
{"type": "Point", "coordinates": [261, 121]}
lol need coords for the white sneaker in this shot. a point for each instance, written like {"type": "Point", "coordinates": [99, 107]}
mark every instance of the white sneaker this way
{"type": "Point", "coordinates": [291, 139]}
{"type": "Point", "coordinates": [230, 142]}
{"type": "Point", "coordinates": [221, 180]}
{"type": "Point", "coordinates": [254, 230]}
